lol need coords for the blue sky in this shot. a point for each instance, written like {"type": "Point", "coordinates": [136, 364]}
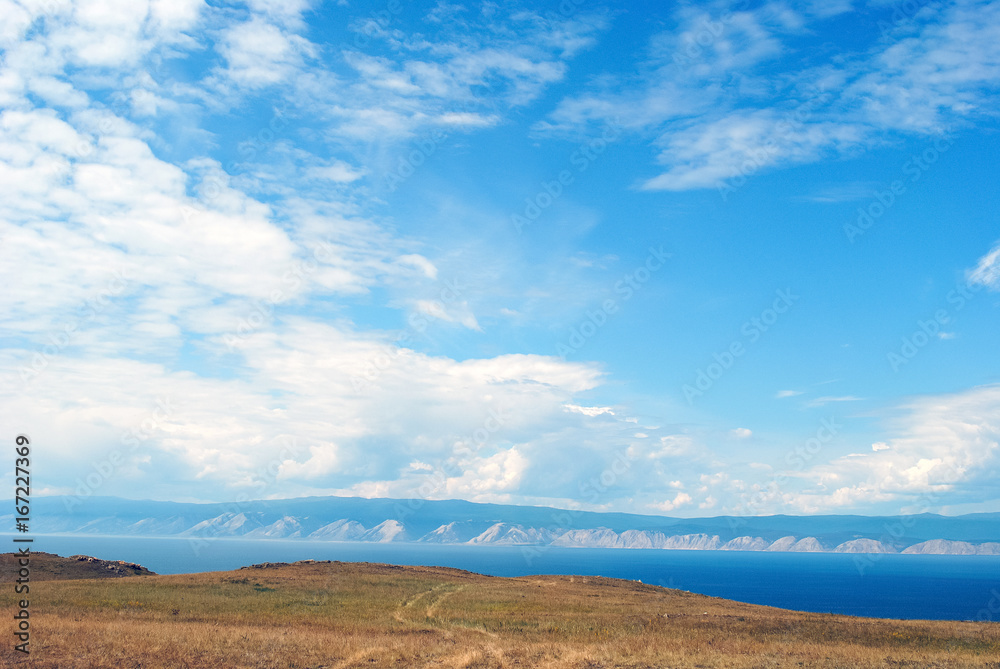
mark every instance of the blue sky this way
{"type": "Point", "coordinates": [692, 259]}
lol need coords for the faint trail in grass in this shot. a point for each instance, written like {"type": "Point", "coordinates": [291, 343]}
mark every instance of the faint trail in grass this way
{"type": "Point", "coordinates": [436, 602]}
{"type": "Point", "coordinates": [431, 611]}
{"type": "Point", "coordinates": [408, 604]}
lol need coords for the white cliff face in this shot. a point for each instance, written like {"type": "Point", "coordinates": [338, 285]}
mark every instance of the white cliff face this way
{"type": "Point", "coordinates": [341, 530]}
{"type": "Point", "coordinates": [599, 538]}
{"type": "Point", "coordinates": [941, 547]}
{"type": "Point", "coordinates": [807, 545]}
{"type": "Point", "coordinates": [989, 548]}
{"type": "Point", "coordinates": [384, 532]}
{"type": "Point", "coordinates": [157, 527]}
{"type": "Point", "coordinates": [266, 525]}
{"type": "Point", "coordinates": [745, 544]}
{"type": "Point", "coordinates": [505, 534]}
{"type": "Point", "coordinates": [864, 546]}
{"type": "Point", "coordinates": [445, 534]}
{"type": "Point", "coordinates": [226, 524]}
{"type": "Point", "coordinates": [692, 542]}
{"type": "Point", "coordinates": [782, 544]}
{"type": "Point", "coordinates": [641, 539]}
{"type": "Point", "coordinates": [605, 538]}
{"type": "Point", "coordinates": [286, 528]}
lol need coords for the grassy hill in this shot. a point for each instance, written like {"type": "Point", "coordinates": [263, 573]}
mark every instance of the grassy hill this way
{"type": "Point", "coordinates": [338, 615]}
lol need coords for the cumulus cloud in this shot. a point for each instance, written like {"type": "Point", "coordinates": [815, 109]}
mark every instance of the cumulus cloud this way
{"type": "Point", "coordinates": [681, 499]}
{"type": "Point", "coordinates": [945, 444]}
{"type": "Point", "coordinates": [589, 411]}
{"type": "Point", "coordinates": [179, 295]}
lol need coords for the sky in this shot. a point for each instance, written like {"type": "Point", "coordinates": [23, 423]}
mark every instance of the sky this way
{"type": "Point", "coordinates": [685, 259]}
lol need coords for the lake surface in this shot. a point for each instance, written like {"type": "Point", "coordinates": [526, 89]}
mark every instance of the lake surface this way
{"type": "Point", "coordinates": [938, 587]}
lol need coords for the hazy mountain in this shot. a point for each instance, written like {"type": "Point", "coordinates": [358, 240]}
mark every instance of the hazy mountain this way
{"type": "Point", "coordinates": [782, 544]}
{"type": "Point", "coordinates": [945, 547]}
{"type": "Point", "coordinates": [513, 535]}
{"type": "Point", "coordinates": [460, 522]}
{"type": "Point", "coordinates": [341, 530]}
{"type": "Point", "coordinates": [286, 528]}
{"type": "Point", "coordinates": [386, 531]}
{"type": "Point", "coordinates": [745, 544]}
{"type": "Point", "coordinates": [864, 546]}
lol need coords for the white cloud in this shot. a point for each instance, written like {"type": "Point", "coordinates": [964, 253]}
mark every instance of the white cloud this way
{"type": "Point", "coordinates": [827, 399]}
{"type": "Point", "coordinates": [589, 411]}
{"type": "Point", "coordinates": [672, 445]}
{"type": "Point", "coordinates": [987, 271]}
{"type": "Point", "coordinates": [261, 54]}
{"type": "Point", "coordinates": [298, 384]}
{"type": "Point", "coordinates": [281, 11]}
{"type": "Point", "coordinates": [338, 171]}
{"type": "Point", "coordinates": [946, 444]}
{"type": "Point", "coordinates": [439, 81]}
{"type": "Point", "coordinates": [781, 394]}
{"type": "Point", "coordinates": [681, 499]}
{"type": "Point", "coordinates": [421, 263]}
{"type": "Point", "coordinates": [456, 312]}
{"type": "Point", "coordinates": [741, 433]}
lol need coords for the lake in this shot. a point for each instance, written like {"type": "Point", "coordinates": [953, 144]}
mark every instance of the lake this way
{"type": "Point", "coordinates": [938, 587]}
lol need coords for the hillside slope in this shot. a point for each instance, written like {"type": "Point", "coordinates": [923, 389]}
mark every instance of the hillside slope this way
{"type": "Point", "coordinates": [328, 614]}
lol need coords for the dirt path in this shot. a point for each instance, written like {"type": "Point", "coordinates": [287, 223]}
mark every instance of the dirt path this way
{"type": "Point", "coordinates": [408, 605]}
{"type": "Point", "coordinates": [406, 613]}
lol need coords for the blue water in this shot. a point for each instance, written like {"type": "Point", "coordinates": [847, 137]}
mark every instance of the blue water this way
{"type": "Point", "coordinates": [936, 587]}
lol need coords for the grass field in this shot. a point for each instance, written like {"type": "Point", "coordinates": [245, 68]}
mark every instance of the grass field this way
{"type": "Point", "coordinates": [340, 615]}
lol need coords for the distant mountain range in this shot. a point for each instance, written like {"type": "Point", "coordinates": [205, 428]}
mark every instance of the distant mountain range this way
{"type": "Point", "coordinates": [460, 522]}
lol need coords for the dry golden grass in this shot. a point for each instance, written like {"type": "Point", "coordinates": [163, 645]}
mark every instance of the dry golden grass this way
{"type": "Point", "coordinates": [340, 615]}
